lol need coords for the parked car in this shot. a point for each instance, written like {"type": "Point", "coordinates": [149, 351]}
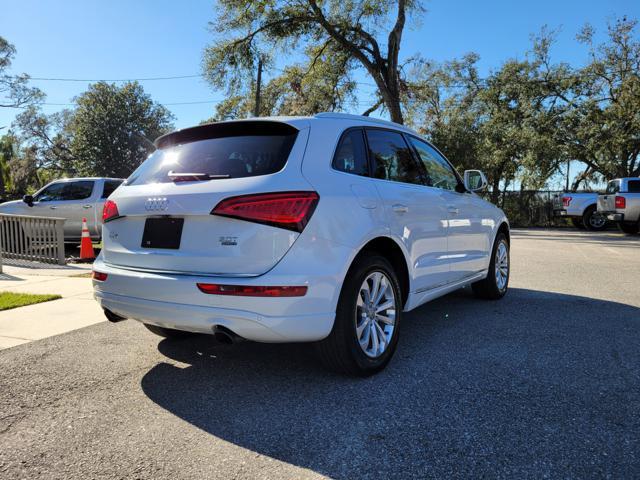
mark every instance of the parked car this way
{"type": "Point", "coordinates": [581, 208]}
{"type": "Point", "coordinates": [621, 203]}
{"type": "Point", "coordinates": [322, 229]}
{"type": "Point", "coordinates": [72, 199]}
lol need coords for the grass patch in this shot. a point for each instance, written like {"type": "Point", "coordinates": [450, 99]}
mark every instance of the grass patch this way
{"type": "Point", "coordinates": [10, 300]}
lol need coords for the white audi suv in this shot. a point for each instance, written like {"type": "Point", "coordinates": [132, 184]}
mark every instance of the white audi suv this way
{"type": "Point", "coordinates": [319, 229]}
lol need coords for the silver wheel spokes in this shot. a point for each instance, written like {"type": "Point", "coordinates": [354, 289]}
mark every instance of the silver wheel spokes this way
{"type": "Point", "coordinates": [502, 266]}
{"type": "Point", "coordinates": [375, 314]}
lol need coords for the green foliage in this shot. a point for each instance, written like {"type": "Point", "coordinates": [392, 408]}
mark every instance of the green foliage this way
{"type": "Point", "coordinates": [8, 145]}
{"type": "Point", "coordinates": [354, 30]}
{"type": "Point", "coordinates": [112, 129]}
{"type": "Point", "coordinates": [109, 133]}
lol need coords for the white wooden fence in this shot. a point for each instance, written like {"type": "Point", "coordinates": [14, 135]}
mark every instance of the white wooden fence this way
{"type": "Point", "coordinates": [36, 239]}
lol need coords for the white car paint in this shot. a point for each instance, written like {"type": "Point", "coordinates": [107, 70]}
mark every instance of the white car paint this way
{"type": "Point", "coordinates": [445, 237]}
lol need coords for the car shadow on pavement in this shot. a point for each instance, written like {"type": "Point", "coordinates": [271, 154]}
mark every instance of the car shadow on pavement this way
{"type": "Point", "coordinates": [538, 384]}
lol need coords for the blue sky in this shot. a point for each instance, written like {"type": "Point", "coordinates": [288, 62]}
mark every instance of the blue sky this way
{"type": "Point", "coordinates": [135, 39]}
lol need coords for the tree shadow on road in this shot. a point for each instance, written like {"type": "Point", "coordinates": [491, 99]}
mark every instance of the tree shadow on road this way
{"type": "Point", "coordinates": [537, 384]}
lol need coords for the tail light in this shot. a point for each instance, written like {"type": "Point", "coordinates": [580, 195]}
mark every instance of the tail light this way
{"type": "Point", "coordinates": [566, 201]}
{"type": "Point", "coordinates": [110, 211]}
{"type": "Point", "coordinates": [251, 290]}
{"type": "Point", "coordinates": [290, 210]}
{"type": "Point", "coordinates": [621, 202]}
{"type": "Point", "coordinates": [99, 276]}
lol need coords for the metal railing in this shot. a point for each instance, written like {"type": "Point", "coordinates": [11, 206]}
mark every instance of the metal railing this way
{"type": "Point", "coordinates": [36, 239]}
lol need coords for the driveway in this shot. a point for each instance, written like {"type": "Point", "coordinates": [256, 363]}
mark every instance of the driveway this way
{"type": "Point", "coordinates": [545, 383]}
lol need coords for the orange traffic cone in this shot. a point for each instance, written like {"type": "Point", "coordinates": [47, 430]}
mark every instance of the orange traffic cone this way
{"type": "Point", "coordinates": [86, 247]}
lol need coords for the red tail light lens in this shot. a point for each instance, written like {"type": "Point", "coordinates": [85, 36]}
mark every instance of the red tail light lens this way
{"type": "Point", "coordinates": [290, 210]}
{"type": "Point", "coordinates": [621, 202]}
{"type": "Point", "coordinates": [252, 291]}
{"type": "Point", "coordinates": [99, 276]}
{"type": "Point", "coordinates": [566, 201]}
{"type": "Point", "coordinates": [110, 211]}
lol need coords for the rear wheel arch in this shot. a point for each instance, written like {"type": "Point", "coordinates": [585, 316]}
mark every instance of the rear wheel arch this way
{"type": "Point", "coordinates": [389, 248]}
{"type": "Point", "coordinates": [503, 228]}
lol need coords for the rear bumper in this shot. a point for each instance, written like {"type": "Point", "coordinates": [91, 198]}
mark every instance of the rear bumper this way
{"type": "Point", "coordinates": [194, 318]}
{"type": "Point", "coordinates": [561, 213]}
{"type": "Point", "coordinates": [614, 217]}
{"type": "Point", "coordinates": [174, 301]}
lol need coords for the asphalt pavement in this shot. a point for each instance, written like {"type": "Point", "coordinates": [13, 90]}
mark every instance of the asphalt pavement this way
{"type": "Point", "coordinates": [542, 384]}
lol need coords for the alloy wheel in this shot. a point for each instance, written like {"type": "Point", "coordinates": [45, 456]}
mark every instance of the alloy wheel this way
{"type": "Point", "coordinates": [375, 314]}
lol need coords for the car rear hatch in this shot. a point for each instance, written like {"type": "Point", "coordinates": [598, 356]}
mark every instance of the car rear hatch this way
{"type": "Point", "coordinates": [163, 218]}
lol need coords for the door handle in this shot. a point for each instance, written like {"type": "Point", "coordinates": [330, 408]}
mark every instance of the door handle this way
{"type": "Point", "coordinates": [86, 206]}
{"type": "Point", "coordinates": [52, 207]}
{"type": "Point", "coordinates": [399, 208]}
{"type": "Point", "coordinates": [453, 210]}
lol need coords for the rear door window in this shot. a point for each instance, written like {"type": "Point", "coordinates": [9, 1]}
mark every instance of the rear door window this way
{"type": "Point", "coordinates": [238, 149]}
{"type": "Point", "coordinates": [633, 186]}
{"type": "Point", "coordinates": [391, 157]}
{"type": "Point", "coordinates": [351, 155]}
{"type": "Point", "coordinates": [78, 190]}
{"type": "Point", "coordinates": [109, 187]}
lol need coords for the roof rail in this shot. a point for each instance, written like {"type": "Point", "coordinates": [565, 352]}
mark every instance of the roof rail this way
{"type": "Point", "coordinates": [349, 116]}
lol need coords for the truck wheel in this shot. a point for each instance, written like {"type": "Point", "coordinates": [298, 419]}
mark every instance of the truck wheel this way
{"type": "Point", "coordinates": [629, 228]}
{"type": "Point", "coordinates": [366, 328]}
{"type": "Point", "coordinates": [593, 220]}
{"type": "Point", "coordinates": [167, 332]}
{"type": "Point", "coordinates": [495, 285]}
{"type": "Point", "coordinates": [577, 222]}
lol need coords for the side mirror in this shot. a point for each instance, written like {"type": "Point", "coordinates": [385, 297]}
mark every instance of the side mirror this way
{"type": "Point", "coordinates": [28, 199]}
{"type": "Point", "coordinates": [474, 180]}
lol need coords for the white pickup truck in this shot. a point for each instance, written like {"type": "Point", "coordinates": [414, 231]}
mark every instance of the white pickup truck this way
{"type": "Point", "coordinates": [72, 199]}
{"type": "Point", "coordinates": [581, 208]}
{"type": "Point", "coordinates": [621, 203]}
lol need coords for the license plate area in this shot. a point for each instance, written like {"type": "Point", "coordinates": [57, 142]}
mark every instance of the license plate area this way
{"type": "Point", "coordinates": [162, 232]}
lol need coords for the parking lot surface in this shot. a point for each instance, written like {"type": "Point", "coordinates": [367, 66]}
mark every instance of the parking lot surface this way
{"type": "Point", "coordinates": [545, 383]}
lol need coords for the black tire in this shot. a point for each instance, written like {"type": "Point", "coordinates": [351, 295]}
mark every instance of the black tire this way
{"type": "Point", "coordinates": [167, 332]}
{"type": "Point", "coordinates": [577, 222]}
{"type": "Point", "coordinates": [341, 351]}
{"type": "Point", "coordinates": [629, 228]}
{"type": "Point", "coordinates": [593, 221]}
{"type": "Point", "coordinates": [488, 288]}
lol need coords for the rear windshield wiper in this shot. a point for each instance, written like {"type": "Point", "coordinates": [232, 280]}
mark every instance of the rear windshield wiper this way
{"type": "Point", "coordinates": [186, 176]}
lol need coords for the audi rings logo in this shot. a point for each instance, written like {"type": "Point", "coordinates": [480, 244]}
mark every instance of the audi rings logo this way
{"type": "Point", "coordinates": [157, 204]}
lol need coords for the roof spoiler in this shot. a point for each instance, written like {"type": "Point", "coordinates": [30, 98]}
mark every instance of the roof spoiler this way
{"type": "Point", "coordinates": [225, 129]}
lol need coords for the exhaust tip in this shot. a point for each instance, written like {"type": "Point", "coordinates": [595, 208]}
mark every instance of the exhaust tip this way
{"type": "Point", "coordinates": [226, 336]}
{"type": "Point", "coordinates": [113, 317]}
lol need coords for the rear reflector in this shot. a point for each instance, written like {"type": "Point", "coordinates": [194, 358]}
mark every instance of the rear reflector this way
{"type": "Point", "coordinates": [566, 201]}
{"type": "Point", "coordinates": [621, 202]}
{"type": "Point", "coordinates": [290, 210]}
{"type": "Point", "coordinates": [251, 291]}
{"type": "Point", "coordinates": [99, 276]}
{"type": "Point", "coordinates": [110, 211]}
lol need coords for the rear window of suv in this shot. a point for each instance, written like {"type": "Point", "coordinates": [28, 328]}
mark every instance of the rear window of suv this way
{"type": "Point", "coordinates": [227, 150]}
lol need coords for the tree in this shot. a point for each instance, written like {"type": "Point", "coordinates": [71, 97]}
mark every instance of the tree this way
{"type": "Point", "coordinates": [111, 131]}
{"type": "Point", "coordinates": [14, 89]}
{"type": "Point", "coordinates": [353, 28]}
{"type": "Point", "coordinates": [603, 124]}
{"type": "Point", "coordinates": [322, 84]}
{"type": "Point", "coordinates": [8, 145]}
